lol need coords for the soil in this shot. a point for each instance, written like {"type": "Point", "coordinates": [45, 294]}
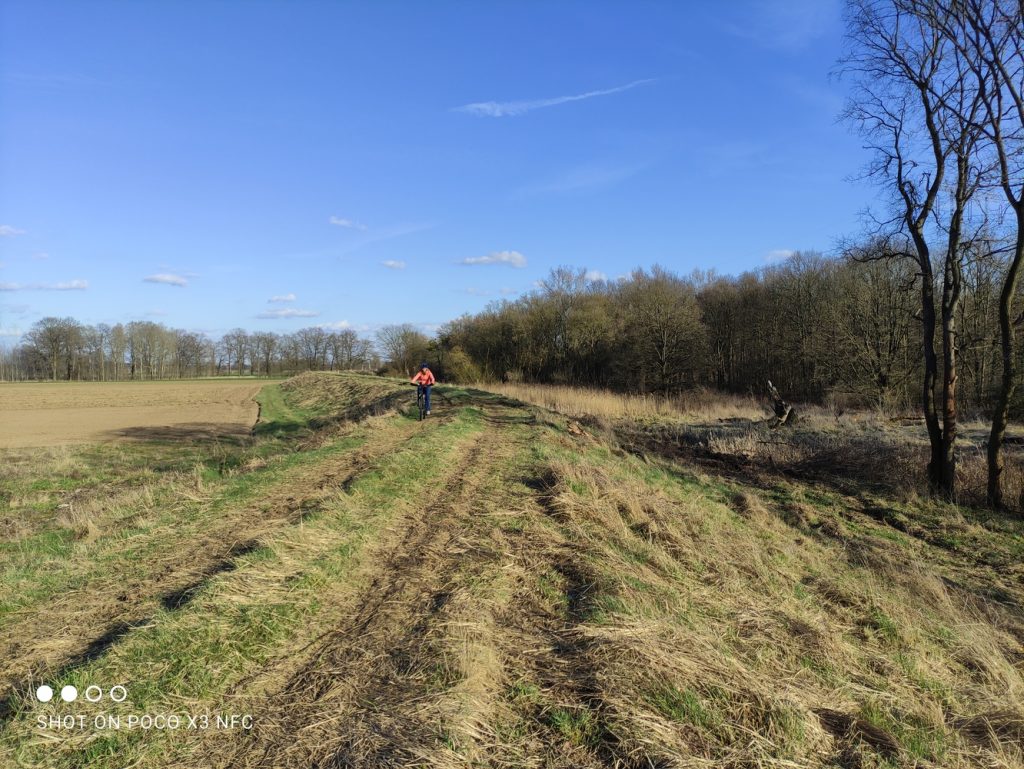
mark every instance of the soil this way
{"type": "Point", "coordinates": [50, 414]}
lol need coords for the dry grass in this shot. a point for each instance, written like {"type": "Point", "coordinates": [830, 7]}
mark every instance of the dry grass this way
{"type": "Point", "coordinates": [505, 587]}
{"type": "Point", "coordinates": [736, 633]}
{"type": "Point", "coordinates": [848, 448]}
{"type": "Point", "coordinates": [697, 405]}
{"type": "Point", "coordinates": [857, 455]}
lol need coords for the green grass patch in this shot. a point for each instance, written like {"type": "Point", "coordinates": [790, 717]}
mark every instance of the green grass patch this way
{"type": "Point", "coordinates": [578, 726]}
{"type": "Point", "coordinates": [918, 737]}
{"type": "Point", "coordinates": [884, 624]}
{"type": "Point", "coordinates": [278, 416]}
{"type": "Point", "coordinates": [684, 706]}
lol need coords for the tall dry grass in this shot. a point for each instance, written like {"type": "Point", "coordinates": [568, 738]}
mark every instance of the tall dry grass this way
{"type": "Point", "coordinates": [694, 405]}
{"type": "Point", "coordinates": [858, 446]}
{"type": "Point", "coordinates": [780, 631]}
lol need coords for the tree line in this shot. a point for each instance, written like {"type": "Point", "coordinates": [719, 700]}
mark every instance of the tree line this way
{"type": "Point", "coordinates": [64, 349]}
{"type": "Point", "coordinates": [840, 330]}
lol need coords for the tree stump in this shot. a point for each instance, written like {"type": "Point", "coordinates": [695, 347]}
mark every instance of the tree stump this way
{"type": "Point", "coordinates": [783, 411]}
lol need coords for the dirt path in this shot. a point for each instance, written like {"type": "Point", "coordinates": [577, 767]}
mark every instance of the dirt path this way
{"type": "Point", "coordinates": [337, 700]}
{"type": "Point", "coordinates": [417, 671]}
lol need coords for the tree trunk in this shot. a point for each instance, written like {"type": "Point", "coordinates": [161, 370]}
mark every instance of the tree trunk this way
{"type": "Point", "coordinates": [952, 283]}
{"type": "Point", "coordinates": [931, 417]}
{"type": "Point", "coordinates": [783, 411]}
{"type": "Point", "coordinates": [950, 300]}
{"type": "Point", "coordinates": [1009, 378]}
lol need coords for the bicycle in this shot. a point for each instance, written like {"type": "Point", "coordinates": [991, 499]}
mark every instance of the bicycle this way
{"type": "Point", "coordinates": [421, 407]}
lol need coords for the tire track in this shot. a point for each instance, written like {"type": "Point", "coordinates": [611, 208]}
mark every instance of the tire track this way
{"type": "Point", "coordinates": [361, 695]}
{"type": "Point", "coordinates": [550, 646]}
{"type": "Point", "coordinates": [379, 690]}
{"type": "Point", "coordinates": [106, 610]}
{"type": "Point", "coordinates": [334, 706]}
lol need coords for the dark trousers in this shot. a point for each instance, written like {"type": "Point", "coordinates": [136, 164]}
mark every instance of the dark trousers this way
{"type": "Point", "coordinates": [426, 396]}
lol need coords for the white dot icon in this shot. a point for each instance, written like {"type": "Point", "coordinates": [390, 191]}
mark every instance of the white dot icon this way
{"type": "Point", "coordinates": [44, 693]}
{"type": "Point", "coordinates": [69, 693]}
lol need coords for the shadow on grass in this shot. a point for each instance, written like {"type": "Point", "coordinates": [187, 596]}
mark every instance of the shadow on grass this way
{"type": "Point", "coordinates": [17, 694]}
{"type": "Point", "coordinates": [282, 428]}
{"type": "Point", "coordinates": [191, 432]}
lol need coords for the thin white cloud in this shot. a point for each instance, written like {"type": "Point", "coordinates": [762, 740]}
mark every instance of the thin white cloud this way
{"type": "Point", "coordinates": [68, 285]}
{"type": "Point", "coordinates": [511, 258]}
{"type": "Point", "coordinates": [514, 108]}
{"type": "Point", "coordinates": [7, 231]}
{"type": "Point", "coordinates": [167, 278]}
{"type": "Point", "coordinates": [595, 275]}
{"type": "Point", "coordinates": [344, 325]}
{"type": "Point", "coordinates": [779, 255]}
{"type": "Point", "coordinates": [585, 178]}
{"type": "Point", "coordinates": [381, 234]}
{"type": "Point", "coordinates": [785, 25]}
{"type": "Point", "coordinates": [287, 312]}
{"type": "Point", "coordinates": [41, 255]}
{"type": "Point", "coordinates": [289, 297]}
{"type": "Point", "coordinates": [394, 264]}
{"type": "Point", "coordinates": [70, 79]}
{"type": "Point", "coordinates": [504, 291]}
{"type": "Point", "coordinates": [339, 221]}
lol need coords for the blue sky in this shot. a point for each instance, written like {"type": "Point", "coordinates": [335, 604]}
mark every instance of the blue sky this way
{"type": "Point", "coordinates": [273, 165]}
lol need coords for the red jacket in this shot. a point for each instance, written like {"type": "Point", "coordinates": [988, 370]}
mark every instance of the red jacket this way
{"type": "Point", "coordinates": [424, 377]}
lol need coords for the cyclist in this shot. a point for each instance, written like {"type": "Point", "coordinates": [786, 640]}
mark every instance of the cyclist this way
{"type": "Point", "coordinates": [424, 379]}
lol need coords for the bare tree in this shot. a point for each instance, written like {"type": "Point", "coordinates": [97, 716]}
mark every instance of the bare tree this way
{"type": "Point", "coordinates": [56, 340]}
{"type": "Point", "coordinates": [188, 353]}
{"type": "Point", "coordinates": [312, 343]}
{"type": "Point", "coordinates": [663, 327]}
{"type": "Point", "coordinates": [402, 345]}
{"type": "Point", "coordinates": [910, 101]}
{"type": "Point", "coordinates": [876, 302]}
{"type": "Point", "coordinates": [265, 347]}
{"type": "Point", "coordinates": [990, 36]}
{"type": "Point", "coordinates": [236, 345]}
{"type": "Point", "coordinates": [117, 345]}
{"type": "Point", "coordinates": [344, 347]}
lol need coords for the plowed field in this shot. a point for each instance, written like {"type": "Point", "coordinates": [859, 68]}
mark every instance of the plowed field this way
{"type": "Point", "coordinates": [49, 414]}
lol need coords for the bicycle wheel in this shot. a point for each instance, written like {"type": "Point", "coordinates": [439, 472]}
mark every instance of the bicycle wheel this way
{"type": "Point", "coordinates": [419, 405]}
